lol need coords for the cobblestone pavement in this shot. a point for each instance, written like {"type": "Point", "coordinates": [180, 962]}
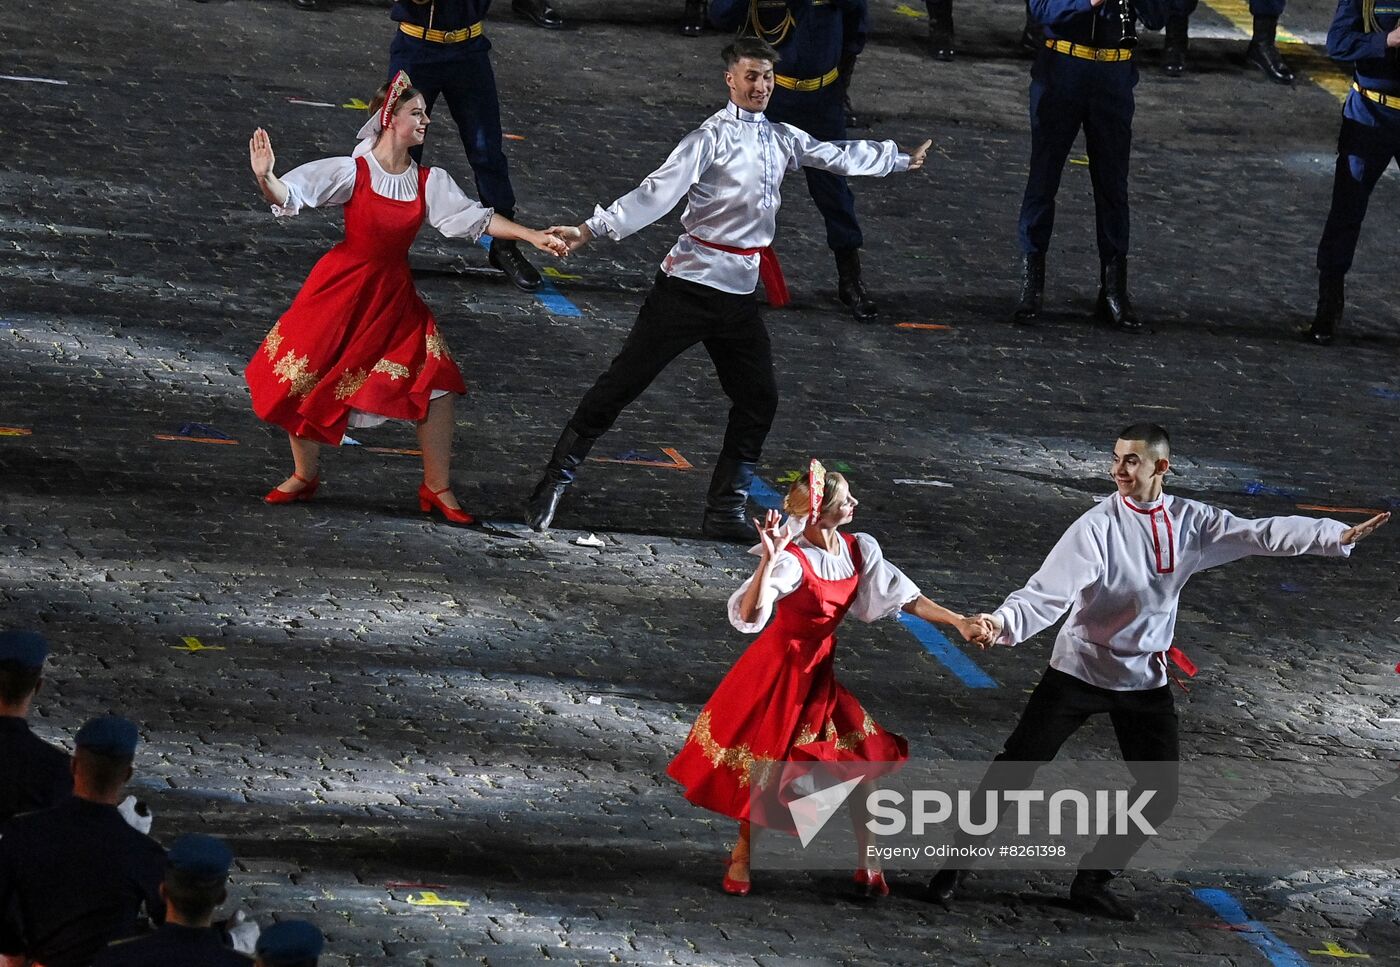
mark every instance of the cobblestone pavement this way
{"type": "Point", "coordinates": [447, 746]}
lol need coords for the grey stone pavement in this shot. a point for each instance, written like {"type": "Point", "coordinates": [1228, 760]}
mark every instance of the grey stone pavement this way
{"type": "Point", "coordinates": [447, 746]}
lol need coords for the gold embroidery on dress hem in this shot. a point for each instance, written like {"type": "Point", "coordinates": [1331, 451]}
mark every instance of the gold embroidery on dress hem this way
{"type": "Point", "coordinates": [273, 341]}
{"type": "Point", "coordinates": [297, 370]}
{"type": "Point", "coordinates": [437, 346]}
{"type": "Point", "coordinates": [349, 383]}
{"type": "Point", "coordinates": [391, 369]}
{"type": "Point", "coordinates": [741, 758]}
{"type": "Point", "coordinates": [844, 743]}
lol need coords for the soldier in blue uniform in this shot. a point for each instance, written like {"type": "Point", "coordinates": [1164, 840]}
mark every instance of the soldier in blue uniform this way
{"type": "Point", "coordinates": [1367, 34]}
{"type": "Point", "coordinates": [75, 877]}
{"type": "Point", "coordinates": [1262, 51]}
{"type": "Point", "coordinates": [196, 882]}
{"type": "Point", "coordinates": [441, 45]}
{"type": "Point", "coordinates": [817, 43]}
{"type": "Point", "coordinates": [1083, 77]}
{"type": "Point", "coordinates": [36, 774]}
{"type": "Point", "coordinates": [291, 943]}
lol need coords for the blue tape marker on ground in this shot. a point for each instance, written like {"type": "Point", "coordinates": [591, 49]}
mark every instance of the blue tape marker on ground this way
{"type": "Point", "coordinates": [546, 295]}
{"type": "Point", "coordinates": [1257, 487]}
{"type": "Point", "coordinates": [945, 651]}
{"type": "Point", "coordinates": [1261, 937]}
{"type": "Point", "coordinates": [762, 493]}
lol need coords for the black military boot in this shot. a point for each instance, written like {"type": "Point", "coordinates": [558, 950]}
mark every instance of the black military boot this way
{"type": "Point", "coordinates": [1331, 303]}
{"type": "Point", "coordinates": [1263, 53]}
{"type": "Point", "coordinates": [1115, 308]}
{"type": "Point", "coordinates": [540, 12]}
{"type": "Point", "coordinates": [726, 506]}
{"type": "Point", "coordinates": [849, 287]}
{"type": "Point", "coordinates": [1089, 892]}
{"type": "Point", "coordinates": [940, 29]}
{"type": "Point", "coordinates": [693, 20]}
{"type": "Point", "coordinates": [1027, 311]}
{"type": "Point", "coordinates": [563, 466]}
{"type": "Point", "coordinates": [944, 886]}
{"type": "Point", "coordinates": [507, 257]}
{"type": "Point", "coordinates": [1174, 47]}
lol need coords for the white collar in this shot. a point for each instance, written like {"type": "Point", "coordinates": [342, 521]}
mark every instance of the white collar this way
{"type": "Point", "coordinates": [1150, 508]}
{"type": "Point", "coordinates": [735, 111]}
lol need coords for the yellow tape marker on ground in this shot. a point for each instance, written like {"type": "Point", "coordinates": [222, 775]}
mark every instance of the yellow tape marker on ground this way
{"type": "Point", "coordinates": [430, 899]}
{"type": "Point", "coordinates": [904, 10]}
{"type": "Point", "coordinates": [1334, 949]}
{"type": "Point", "coordinates": [194, 644]}
{"type": "Point", "coordinates": [1320, 69]}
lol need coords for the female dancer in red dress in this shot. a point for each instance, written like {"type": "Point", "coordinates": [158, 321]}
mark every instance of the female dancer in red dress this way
{"type": "Point", "coordinates": [358, 345]}
{"type": "Point", "coordinates": [781, 700]}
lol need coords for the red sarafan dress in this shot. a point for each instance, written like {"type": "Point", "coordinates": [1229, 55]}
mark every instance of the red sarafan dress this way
{"type": "Point", "coordinates": [357, 338]}
{"type": "Point", "coordinates": [781, 700]}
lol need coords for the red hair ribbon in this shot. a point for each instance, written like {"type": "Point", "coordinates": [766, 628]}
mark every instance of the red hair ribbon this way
{"type": "Point", "coordinates": [816, 487]}
{"type": "Point", "coordinates": [397, 86]}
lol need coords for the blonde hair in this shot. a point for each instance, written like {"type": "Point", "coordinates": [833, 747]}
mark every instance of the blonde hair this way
{"type": "Point", "coordinates": [798, 501]}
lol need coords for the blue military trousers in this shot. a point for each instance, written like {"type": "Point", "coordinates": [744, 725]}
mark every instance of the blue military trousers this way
{"type": "Point", "coordinates": [1069, 94]}
{"type": "Point", "coordinates": [1364, 151]}
{"type": "Point", "coordinates": [822, 115]}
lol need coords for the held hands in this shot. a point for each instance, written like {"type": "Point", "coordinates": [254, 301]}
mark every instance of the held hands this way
{"type": "Point", "coordinates": [982, 630]}
{"type": "Point", "coordinates": [1353, 534]}
{"type": "Point", "coordinates": [545, 241]}
{"type": "Point", "coordinates": [772, 535]}
{"type": "Point", "coordinates": [574, 236]}
{"type": "Point", "coordinates": [260, 155]}
{"type": "Point", "coordinates": [916, 157]}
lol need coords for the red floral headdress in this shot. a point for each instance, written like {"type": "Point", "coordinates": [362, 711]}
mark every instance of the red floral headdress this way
{"type": "Point", "coordinates": [816, 488]}
{"type": "Point", "coordinates": [397, 86]}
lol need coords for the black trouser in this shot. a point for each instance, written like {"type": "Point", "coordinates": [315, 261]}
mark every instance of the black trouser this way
{"type": "Point", "coordinates": [1145, 723]}
{"type": "Point", "coordinates": [678, 314]}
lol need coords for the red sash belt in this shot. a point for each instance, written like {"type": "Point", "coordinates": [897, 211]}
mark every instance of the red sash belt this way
{"type": "Point", "coordinates": [770, 272]}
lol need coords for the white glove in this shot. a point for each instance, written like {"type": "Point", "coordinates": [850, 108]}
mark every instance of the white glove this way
{"type": "Point", "coordinates": [137, 816]}
{"type": "Point", "coordinates": [242, 933]}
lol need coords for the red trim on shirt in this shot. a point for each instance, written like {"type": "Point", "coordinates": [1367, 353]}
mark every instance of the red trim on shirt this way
{"type": "Point", "coordinates": [1152, 513]}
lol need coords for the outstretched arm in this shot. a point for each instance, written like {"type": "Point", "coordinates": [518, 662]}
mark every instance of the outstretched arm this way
{"type": "Point", "coordinates": [878, 158]}
{"type": "Point", "coordinates": [659, 191]}
{"type": "Point", "coordinates": [1073, 564]}
{"type": "Point", "coordinates": [931, 611]}
{"type": "Point", "coordinates": [1225, 537]}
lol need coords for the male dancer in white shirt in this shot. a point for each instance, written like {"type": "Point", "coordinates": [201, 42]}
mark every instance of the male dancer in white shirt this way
{"type": "Point", "coordinates": [728, 170]}
{"type": "Point", "coordinates": [1119, 571]}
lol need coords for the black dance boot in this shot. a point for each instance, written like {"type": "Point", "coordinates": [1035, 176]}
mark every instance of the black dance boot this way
{"type": "Point", "coordinates": [1263, 53]}
{"type": "Point", "coordinates": [693, 20]}
{"type": "Point", "coordinates": [940, 29]}
{"type": "Point", "coordinates": [563, 466]}
{"type": "Point", "coordinates": [507, 257]}
{"type": "Point", "coordinates": [540, 12]}
{"type": "Point", "coordinates": [849, 287]}
{"type": "Point", "coordinates": [1027, 311]}
{"type": "Point", "coordinates": [1089, 892]}
{"type": "Point", "coordinates": [1174, 47]}
{"type": "Point", "coordinates": [1115, 308]}
{"type": "Point", "coordinates": [1331, 303]}
{"type": "Point", "coordinates": [726, 506]}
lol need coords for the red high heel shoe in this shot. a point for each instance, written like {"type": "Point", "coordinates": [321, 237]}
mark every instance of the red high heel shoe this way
{"type": "Point", "coordinates": [873, 881]}
{"type": "Point", "coordinates": [428, 499]}
{"type": "Point", "coordinates": [735, 887]}
{"type": "Point", "coordinates": [275, 496]}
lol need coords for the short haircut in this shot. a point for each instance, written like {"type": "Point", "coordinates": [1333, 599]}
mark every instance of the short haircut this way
{"type": "Point", "coordinates": [750, 47]}
{"type": "Point", "coordinates": [104, 773]}
{"type": "Point", "coordinates": [194, 897]}
{"type": "Point", "coordinates": [17, 682]}
{"type": "Point", "coordinates": [1155, 438]}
